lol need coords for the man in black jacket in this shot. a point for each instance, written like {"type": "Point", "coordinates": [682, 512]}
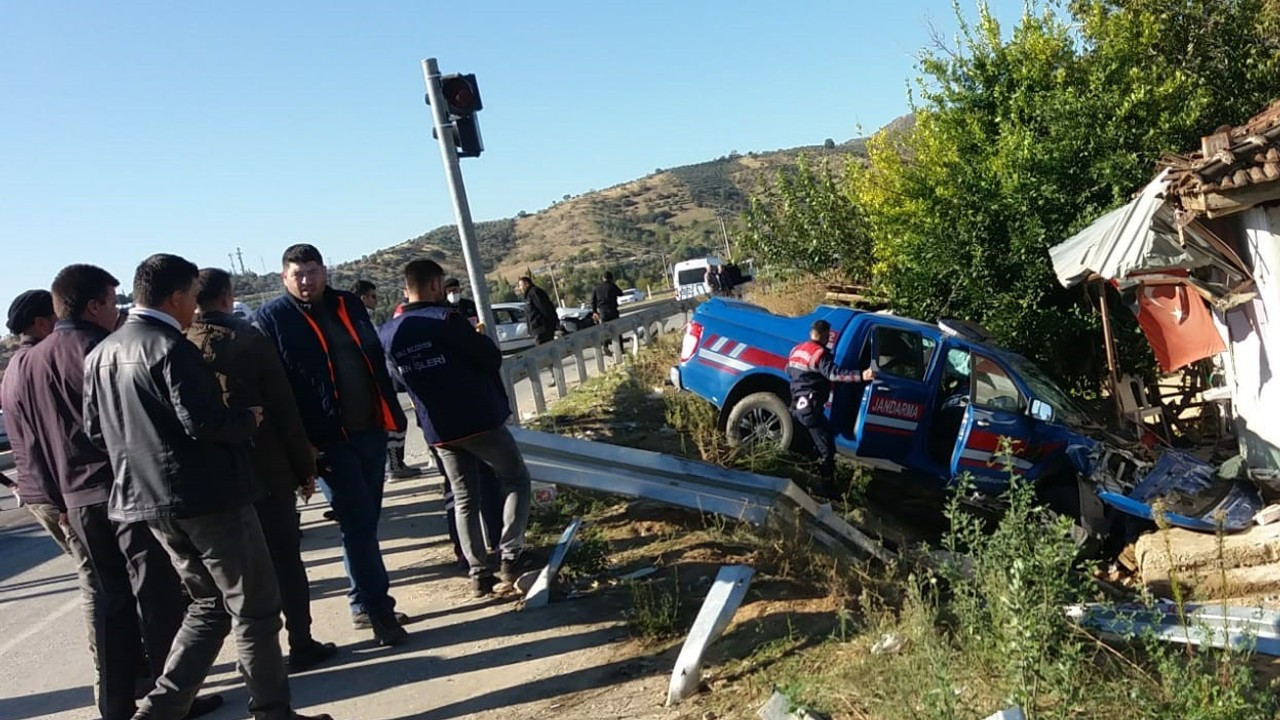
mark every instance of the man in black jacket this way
{"type": "Point", "coordinates": [604, 305]}
{"type": "Point", "coordinates": [540, 312]}
{"type": "Point", "coordinates": [604, 299]}
{"type": "Point", "coordinates": [137, 602]}
{"type": "Point", "coordinates": [181, 463]}
{"type": "Point", "coordinates": [284, 463]}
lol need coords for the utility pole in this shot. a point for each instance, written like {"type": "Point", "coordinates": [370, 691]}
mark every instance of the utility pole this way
{"type": "Point", "coordinates": [724, 231]}
{"type": "Point", "coordinates": [231, 258]}
{"type": "Point", "coordinates": [240, 257]}
{"type": "Point", "coordinates": [453, 174]}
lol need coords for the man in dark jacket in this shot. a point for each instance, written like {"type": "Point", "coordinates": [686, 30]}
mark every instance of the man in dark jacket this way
{"type": "Point", "coordinates": [31, 318]}
{"type": "Point", "coordinates": [539, 311]}
{"type": "Point", "coordinates": [812, 371]}
{"type": "Point", "coordinates": [451, 373]}
{"type": "Point", "coordinates": [466, 306]}
{"type": "Point", "coordinates": [604, 299]}
{"type": "Point", "coordinates": [181, 463]}
{"type": "Point", "coordinates": [348, 405]}
{"type": "Point", "coordinates": [249, 371]}
{"type": "Point", "coordinates": [137, 603]}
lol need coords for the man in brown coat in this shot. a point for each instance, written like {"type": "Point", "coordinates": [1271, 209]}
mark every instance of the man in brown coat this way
{"type": "Point", "coordinates": [251, 374]}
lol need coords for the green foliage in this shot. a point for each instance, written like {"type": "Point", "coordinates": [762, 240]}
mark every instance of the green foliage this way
{"type": "Point", "coordinates": [589, 556]}
{"type": "Point", "coordinates": [1008, 600]}
{"type": "Point", "coordinates": [807, 221]}
{"type": "Point", "coordinates": [655, 609]}
{"type": "Point", "coordinates": [1020, 139]}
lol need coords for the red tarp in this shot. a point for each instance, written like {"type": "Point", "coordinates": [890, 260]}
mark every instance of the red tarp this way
{"type": "Point", "coordinates": [1178, 325]}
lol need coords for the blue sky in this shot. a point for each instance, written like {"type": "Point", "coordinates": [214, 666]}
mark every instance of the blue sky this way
{"type": "Point", "coordinates": [138, 127]}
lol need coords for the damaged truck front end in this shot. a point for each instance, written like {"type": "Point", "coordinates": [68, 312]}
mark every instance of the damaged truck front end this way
{"type": "Point", "coordinates": [1176, 488]}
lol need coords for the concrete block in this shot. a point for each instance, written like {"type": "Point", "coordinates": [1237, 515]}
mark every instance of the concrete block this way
{"type": "Point", "coordinates": [1248, 561]}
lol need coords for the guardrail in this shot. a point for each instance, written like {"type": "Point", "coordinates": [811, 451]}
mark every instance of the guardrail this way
{"type": "Point", "coordinates": [689, 484]}
{"type": "Point", "coordinates": [643, 326]}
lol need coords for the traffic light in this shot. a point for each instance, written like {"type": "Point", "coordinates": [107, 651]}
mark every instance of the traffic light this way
{"type": "Point", "coordinates": [462, 101]}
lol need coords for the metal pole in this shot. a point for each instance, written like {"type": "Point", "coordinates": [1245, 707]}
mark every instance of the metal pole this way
{"type": "Point", "coordinates": [725, 232]}
{"type": "Point", "coordinates": [1109, 341]}
{"type": "Point", "coordinates": [453, 174]}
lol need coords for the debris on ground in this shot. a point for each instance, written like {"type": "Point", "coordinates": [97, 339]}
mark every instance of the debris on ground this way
{"type": "Point", "coordinates": [1216, 625]}
{"type": "Point", "coordinates": [780, 707]}
{"type": "Point", "coordinates": [889, 644]}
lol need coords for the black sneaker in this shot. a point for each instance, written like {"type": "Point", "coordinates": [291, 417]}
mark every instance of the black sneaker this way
{"type": "Point", "coordinates": [203, 705]}
{"type": "Point", "coordinates": [482, 585]}
{"type": "Point", "coordinates": [406, 471]}
{"type": "Point", "coordinates": [511, 570]}
{"type": "Point", "coordinates": [309, 655]}
{"type": "Point", "coordinates": [361, 621]}
{"type": "Point", "coordinates": [387, 630]}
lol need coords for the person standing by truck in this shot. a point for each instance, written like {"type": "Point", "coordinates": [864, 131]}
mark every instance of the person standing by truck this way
{"type": "Point", "coordinates": [812, 371]}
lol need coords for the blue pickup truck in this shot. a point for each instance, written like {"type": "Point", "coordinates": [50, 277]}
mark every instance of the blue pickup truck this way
{"type": "Point", "coordinates": [943, 402]}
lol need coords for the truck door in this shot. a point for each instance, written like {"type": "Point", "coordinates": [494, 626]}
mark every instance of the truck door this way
{"type": "Point", "coordinates": [997, 409]}
{"type": "Point", "coordinates": [893, 405]}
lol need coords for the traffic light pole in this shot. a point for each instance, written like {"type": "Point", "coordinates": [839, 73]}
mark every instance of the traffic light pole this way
{"type": "Point", "coordinates": [453, 174]}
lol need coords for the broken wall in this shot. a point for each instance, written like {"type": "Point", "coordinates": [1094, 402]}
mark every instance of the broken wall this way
{"type": "Point", "coordinates": [1252, 333]}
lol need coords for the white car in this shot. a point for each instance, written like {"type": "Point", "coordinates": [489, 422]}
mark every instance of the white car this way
{"type": "Point", "coordinates": [575, 319]}
{"type": "Point", "coordinates": [511, 326]}
{"type": "Point", "coordinates": [513, 329]}
{"type": "Point", "coordinates": [630, 296]}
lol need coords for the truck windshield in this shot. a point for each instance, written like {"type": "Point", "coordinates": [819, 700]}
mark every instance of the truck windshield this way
{"type": "Point", "coordinates": [1065, 409]}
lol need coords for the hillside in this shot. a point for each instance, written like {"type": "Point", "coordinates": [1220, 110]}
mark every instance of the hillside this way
{"type": "Point", "coordinates": [632, 228]}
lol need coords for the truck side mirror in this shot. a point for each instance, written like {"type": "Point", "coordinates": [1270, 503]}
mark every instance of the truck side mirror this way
{"type": "Point", "coordinates": [1041, 410]}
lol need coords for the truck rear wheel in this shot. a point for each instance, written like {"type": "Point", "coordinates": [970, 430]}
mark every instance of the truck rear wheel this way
{"type": "Point", "coordinates": [760, 418]}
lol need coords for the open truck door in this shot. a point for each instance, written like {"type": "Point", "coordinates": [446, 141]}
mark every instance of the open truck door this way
{"type": "Point", "coordinates": [997, 409]}
{"type": "Point", "coordinates": [893, 405]}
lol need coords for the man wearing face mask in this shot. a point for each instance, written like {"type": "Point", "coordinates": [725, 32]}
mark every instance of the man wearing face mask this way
{"type": "Point", "coordinates": [466, 306]}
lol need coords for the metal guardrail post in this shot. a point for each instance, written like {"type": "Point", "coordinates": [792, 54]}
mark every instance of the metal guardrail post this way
{"type": "Point", "coordinates": [579, 360]}
{"type": "Point", "coordinates": [510, 387]}
{"type": "Point", "coordinates": [535, 384]}
{"type": "Point", "coordinates": [557, 374]}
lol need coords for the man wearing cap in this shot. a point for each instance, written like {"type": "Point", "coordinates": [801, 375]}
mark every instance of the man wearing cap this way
{"type": "Point", "coordinates": [31, 318]}
{"type": "Point", "coordinates": [466, 306]}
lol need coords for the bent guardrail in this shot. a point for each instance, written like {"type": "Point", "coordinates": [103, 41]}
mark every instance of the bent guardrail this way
{"type": "Point", "coordinates": [639, 328]}
{"type": "Point", "coordinates": [687, 483]}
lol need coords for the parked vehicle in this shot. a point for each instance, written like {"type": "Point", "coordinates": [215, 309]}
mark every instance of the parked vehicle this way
{"type": "Point", "coordinates": [575, 319]}
{"type": "Point", "coordinates": [511, 327]}
{"type": "Point", "coordinates": [691, 277]}
{"type": "Point", "coordinates": [945, 403]}
{"type": "Point", "coordinates": [513, 330]}
{"type": "Point", "coordinates": [632, 295]}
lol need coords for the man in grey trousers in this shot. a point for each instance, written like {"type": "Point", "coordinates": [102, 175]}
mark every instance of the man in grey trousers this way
{"type": "Point", "coordinates": [451, 372]}
{"type": "Point", "coordinates": [181, 463]}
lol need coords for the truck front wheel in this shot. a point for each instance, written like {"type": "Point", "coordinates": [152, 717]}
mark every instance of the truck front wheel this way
{"type": "Point", "coordinates": [760, 418]}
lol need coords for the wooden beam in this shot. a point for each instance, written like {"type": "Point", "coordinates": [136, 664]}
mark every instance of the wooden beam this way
{"type": "Point", "coordinates": [1228, 202]}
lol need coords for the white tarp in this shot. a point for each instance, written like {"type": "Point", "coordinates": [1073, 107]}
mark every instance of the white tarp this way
{"type": "Point", "coordinates": [1140, 236]}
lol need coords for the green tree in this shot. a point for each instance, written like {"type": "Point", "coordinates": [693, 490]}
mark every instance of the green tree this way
{"type": "Point", "coordinates": [1021, 139]}
{"type": "Point", "coordinates": [807, 221]}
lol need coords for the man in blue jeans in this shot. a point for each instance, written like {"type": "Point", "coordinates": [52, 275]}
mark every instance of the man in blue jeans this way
{"type": "Point", "coordinates": [331, 352]}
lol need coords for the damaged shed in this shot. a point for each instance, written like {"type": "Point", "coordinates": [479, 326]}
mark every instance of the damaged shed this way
{"type": "Point", "coordinates": [1200, 247]}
